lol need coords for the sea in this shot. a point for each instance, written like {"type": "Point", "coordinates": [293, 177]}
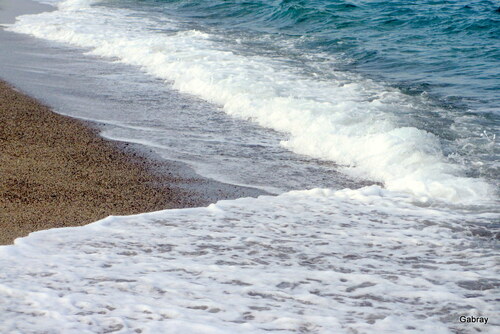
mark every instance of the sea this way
{"type": "Point", "coordinates": [371, 126]}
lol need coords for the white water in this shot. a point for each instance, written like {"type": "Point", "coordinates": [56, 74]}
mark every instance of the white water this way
{"type": "Point", "coordinates": [314, 261]}
{"type": "Point", "coordinates": [353, 123]}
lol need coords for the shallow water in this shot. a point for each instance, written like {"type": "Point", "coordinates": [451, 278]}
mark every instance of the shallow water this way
{"type": "Point", "coordinates": [304, 262]}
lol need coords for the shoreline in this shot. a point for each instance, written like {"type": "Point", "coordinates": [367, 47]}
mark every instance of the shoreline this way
{"type": "Point", "coordinates": [59, 172]}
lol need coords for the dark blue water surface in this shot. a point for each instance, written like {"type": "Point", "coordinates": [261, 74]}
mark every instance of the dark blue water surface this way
{"type": "Point", "coordinates": [447, 48]}
{"type": "Point", "coordinates": [448, 52]}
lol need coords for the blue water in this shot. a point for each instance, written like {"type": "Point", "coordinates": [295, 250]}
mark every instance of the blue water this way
{"type": "Point", "coordinates": [450, 49]}
{"type": "Point", "coordinates": [445, 51]}
{"type": "Point", "coordinates": [401, 93]}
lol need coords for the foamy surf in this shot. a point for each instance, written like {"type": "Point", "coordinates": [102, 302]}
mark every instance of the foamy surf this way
{"type": "Point", "coordinates": [353, 123]}
{"type": "Point", "coordinates": [314, 261]}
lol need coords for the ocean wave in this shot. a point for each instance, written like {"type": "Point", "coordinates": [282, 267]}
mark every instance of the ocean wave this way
{"type": "Point", "coordinates": [351, 123]}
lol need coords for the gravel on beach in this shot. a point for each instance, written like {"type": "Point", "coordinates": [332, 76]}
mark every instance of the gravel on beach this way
{"type": "Point", "coordinates": [56, 171]}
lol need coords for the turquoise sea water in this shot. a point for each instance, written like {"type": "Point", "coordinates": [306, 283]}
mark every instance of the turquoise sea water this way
{"type": "Point", "coordinates": [447, 48]}
{"type": "Point", "coordinates": [447, 52]}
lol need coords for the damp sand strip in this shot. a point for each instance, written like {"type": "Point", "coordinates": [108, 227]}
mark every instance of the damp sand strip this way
{"type": "Point", "coordinates": [56, 171]}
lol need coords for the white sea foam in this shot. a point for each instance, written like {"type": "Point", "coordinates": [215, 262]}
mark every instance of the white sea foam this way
{"type": "Point", "coordinates": [313, 261]}
{"type": "Point", "coordinates": [353, 123]}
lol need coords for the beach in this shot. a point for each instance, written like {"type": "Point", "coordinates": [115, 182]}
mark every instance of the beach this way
{"type": "Point", "coordinates": [57, 172]}
{"type": "Point", "coordinates": [248, 167]}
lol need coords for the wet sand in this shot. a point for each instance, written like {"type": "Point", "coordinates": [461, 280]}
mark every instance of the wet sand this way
{"type": "Point", "coordinates": [56, 171]}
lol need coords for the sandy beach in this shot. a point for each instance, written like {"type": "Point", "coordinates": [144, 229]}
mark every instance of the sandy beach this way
{"type": "Point", "coordinates": [57, 172]}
